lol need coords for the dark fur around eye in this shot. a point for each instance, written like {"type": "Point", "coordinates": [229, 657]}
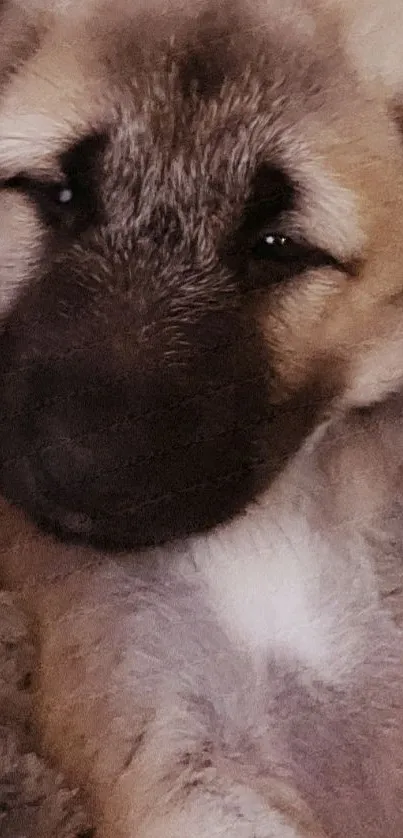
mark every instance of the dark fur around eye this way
{"type": "Point", "coordinates": [261, 255]}
{"type": "Point", "coordinates": [272, 194]}
{"type": "Point", "coordinates": [56, 201]}
{"type": "Point", "coordinates": [71, 203]}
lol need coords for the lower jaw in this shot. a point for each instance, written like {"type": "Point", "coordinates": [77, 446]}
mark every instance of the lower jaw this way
{"type": "Point", "coordinates": [144, 524]}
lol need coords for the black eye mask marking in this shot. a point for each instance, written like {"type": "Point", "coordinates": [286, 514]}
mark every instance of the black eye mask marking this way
{"type": "Point", "coordinates": [262, 254]}
{"type": "Point", "coordinates": [69, 202]}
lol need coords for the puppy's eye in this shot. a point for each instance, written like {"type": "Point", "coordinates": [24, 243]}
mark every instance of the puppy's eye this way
{"type": "Point", "coordinates": [65, 206]}
{"type": "Point", "coordinates": [70, 203]}
{"type": "Point", "coordinates": [63, 195]}
{"type": "Point", "coordinates": [273, 246]}
{"type": "Point", "coordinates": [274, 258]}
{"type": "Point", "coordinates": [55, 200]}
{"type": "Point", "coordinates": [48, 195]}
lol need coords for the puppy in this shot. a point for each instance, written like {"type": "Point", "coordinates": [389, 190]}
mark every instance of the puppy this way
{"type": "Point", "coordinates": [201, 291]}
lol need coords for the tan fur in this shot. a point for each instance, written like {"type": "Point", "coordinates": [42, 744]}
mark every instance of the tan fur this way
{"type": "Point", "coordinates": [246, 682]}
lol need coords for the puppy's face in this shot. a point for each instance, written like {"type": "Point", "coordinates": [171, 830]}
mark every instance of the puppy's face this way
{"type": "Point", "coordinates": [197, 258]}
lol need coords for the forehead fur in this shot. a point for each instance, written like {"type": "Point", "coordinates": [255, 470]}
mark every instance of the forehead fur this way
{"type": "Point", "coordinates": [218, 70]}
{"type": "Point", "coordinates": [212, 77]}
{"type": "Point", "coordinates": [204, 88]}
{"type": "Point", "coordinates": [134, 30]}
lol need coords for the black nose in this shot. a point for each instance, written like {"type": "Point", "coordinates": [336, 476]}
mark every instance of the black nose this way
{"type": "Point", "coordinates": [131, 460]}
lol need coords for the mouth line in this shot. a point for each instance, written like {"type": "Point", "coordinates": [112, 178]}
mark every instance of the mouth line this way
{"type": "Point", "coordinates": [125, 521]}
{"type": "Point", "coordinates": [23, 489]}
{"type": "Point", "coordinates": [101, 532]}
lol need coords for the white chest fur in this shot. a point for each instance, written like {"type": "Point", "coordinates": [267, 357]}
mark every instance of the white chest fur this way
{"type": "Point", "coordinates": [258, 648]}
{"type": "Point", "coordinates": [280, 585]}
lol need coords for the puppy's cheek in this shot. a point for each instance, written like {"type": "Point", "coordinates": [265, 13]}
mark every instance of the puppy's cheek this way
{"type": "Point", "coordinates": [376, 373]}
{"type": "Point", "coordinates": [20, 249]}
{"type": "Point", "coordinates": [295, 322]}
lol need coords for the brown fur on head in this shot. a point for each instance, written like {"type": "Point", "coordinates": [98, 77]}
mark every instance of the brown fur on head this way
{"type": "Point", "coordinates": [199, 257]}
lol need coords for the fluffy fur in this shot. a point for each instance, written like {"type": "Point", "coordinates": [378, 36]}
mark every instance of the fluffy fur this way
{"type": "Point", "coordinates": [248, 683]}
{"type": "Point", "coordinates": [247, 679]}
{"type": "Point", "coordinates": [34, 800]}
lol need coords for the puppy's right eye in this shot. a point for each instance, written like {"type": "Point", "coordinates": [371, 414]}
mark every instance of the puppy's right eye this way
{"type": "Point", "coordinates": [70, 202]}
{"type": "Point", "coordinates": [55, 200]}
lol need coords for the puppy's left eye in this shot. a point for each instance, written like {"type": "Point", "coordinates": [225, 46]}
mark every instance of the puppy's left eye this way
{"type": "Point", "coordinates": [274, 258]}
{"type": "Point", "coordinates": [273, 246]}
